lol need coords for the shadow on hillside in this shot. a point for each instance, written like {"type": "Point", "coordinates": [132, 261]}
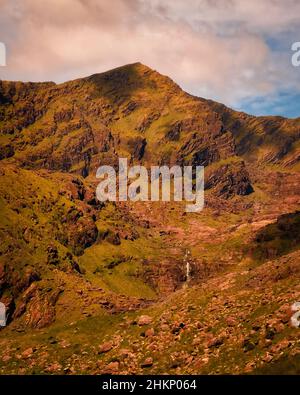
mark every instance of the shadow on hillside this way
{"type": "Point", "coordinates": [120, 83]}
{"type": "Point", "coordinates": [286, 365]}
{"type": "Point", "coordinates": [279, 238]}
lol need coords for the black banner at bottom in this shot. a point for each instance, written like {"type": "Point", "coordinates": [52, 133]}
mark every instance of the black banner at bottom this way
{"type": "Point", "coordinates": [90, 385]}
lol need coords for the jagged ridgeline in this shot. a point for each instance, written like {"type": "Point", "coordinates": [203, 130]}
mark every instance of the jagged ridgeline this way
{"type": "Point", "coordinates": [66, 259]}
{"type": "Point", "coordinates": [135, 112]}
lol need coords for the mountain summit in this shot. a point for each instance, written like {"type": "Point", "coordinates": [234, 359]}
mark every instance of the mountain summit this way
{"type": "Point", "coordinates": [137, 111]}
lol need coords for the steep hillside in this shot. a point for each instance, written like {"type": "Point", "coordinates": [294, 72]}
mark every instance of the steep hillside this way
{"type": "Point", "coordinates": [92, 287]}
{"type": "Point", "coordinates": [269, 140]}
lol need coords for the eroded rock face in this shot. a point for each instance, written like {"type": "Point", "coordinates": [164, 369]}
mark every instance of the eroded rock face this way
{"type": "Point", "coordinates": [16, 281]}
{"type": "Point", "coordinates": [32, 99]}
{"type": "Point", "coordinates": [6, 151]}
{"type": "Point", "coordinates": [37, 306]}
{"type": "Point", "coordinates": [14, 284]}
{"type": "Point", "coordinates": [106, 111]}
{"type": "Point", "coordinates": [137, 147]}
{"type": "Point", "coordinates": [229, 180]}
{"type": "Point", "coordinates": [173, 134]}
{"type": "Point", "coordinates": [81, 234]}
{"type": "Point", "coordinates": [147, 122]}
{"type": "Point", "coordinates": [203, 148]}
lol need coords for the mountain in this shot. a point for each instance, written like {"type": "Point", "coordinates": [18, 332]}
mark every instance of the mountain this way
{"type": "Point", "coordinates": [95, 288]}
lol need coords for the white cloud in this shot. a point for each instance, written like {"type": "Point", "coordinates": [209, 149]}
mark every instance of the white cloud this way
{"type": "Point", "coordinates": [217, 49]}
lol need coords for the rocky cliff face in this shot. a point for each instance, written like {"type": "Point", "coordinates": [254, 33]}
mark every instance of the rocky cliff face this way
{"type": "Point", "coordinates": [69, 126]}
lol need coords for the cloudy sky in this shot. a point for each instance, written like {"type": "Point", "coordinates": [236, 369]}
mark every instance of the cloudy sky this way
{"type": "Point", "coordinates": [234, 51]}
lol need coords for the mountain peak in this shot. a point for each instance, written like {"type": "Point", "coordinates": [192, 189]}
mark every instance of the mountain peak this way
{"type": "Point", "coordinates": [133, 76]}
{"type": "Point", "coordinates": [136, 67]}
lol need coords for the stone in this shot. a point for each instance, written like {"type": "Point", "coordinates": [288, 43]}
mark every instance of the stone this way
{"type": "Point", "coordinates": [144, 320]}
{"type": "Point", "coordinates": [105, 347]}
{"type": "Point", "coordinates": [113, 366]}
{"type": "Point", "coordinates": [267, 358]}
{"type": "Point", "coordinates": [215, 342]}
{"type": "Point", "coordinates": [27, 353]}
{"type": "Point", "coordinates": [149, 332]}
{"type": "Point", "coordinates": [147, 363]}
{"type": "Point", "coordinates": [248, 345]}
